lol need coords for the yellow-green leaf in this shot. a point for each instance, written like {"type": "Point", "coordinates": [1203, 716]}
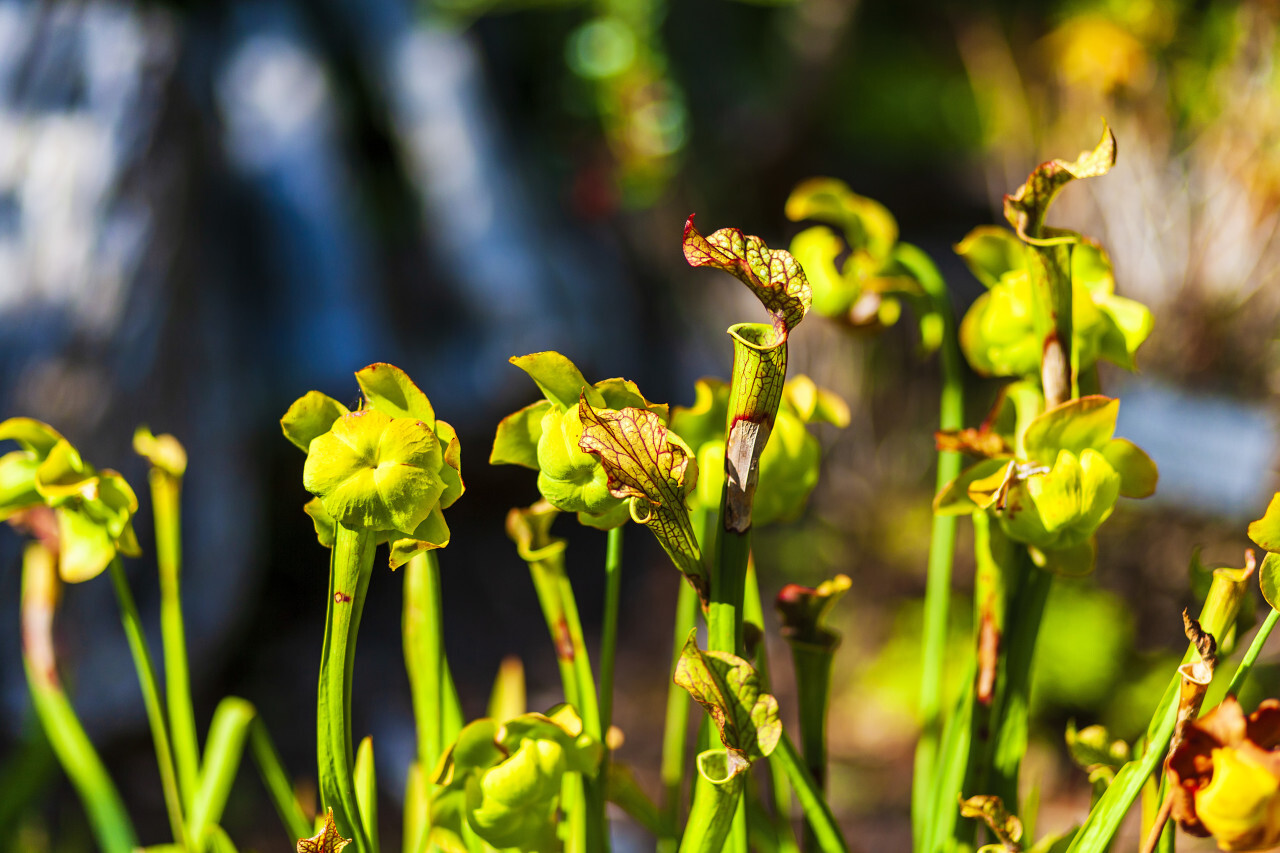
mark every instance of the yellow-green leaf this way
{"type": "Point", "coordinates": [1266, 530]}
{"type": "Point", "coordinates": [729, 689]}
{"type": "Point", "coordinates": [311, 415]}
{"type": "Point", "coordinates": [518, 434]}
{"type": "Point", "coordinates": [389, 390]}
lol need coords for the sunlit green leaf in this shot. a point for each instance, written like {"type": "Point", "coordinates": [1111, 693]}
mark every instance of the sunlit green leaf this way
{"type": "Point", "coordinates": [451, 471]}
{"type": "Point", "coordinates": [63, 475]}
{"type": "Point", "coordinates": [1266, 530]}
{"type": "Point", "coordinates": [556, 376]}
{"type": "Point", "coordinates": [832, 292]}
{"type": "Point", "coordinates": [85, 546]}
{"type": "Point", "coordinates": [17, 482]}
{"type": "Point", "coordinates": [868, 226]}
{"type": "Point", "coordinates": [813, 404]}
{"type": "Point", "coordinates": [992, 252]}
{"type": "Point", "coordinates": [311, 415]}
{"type": "Point", "coordinates": [1269, 579]}
{"type": "Point", "coordinates": [955, 499]}
{"type": "Point", "coordinates": [518, 434]}
{"type": "Point", "coordinates": [432, 533]}
{"type": "Point", "coordinates": [34, 436]}
{"type": "Point", "coordinates": [729, 689]}
{"type": "Point", "coordinates": [1086, 422]}
{"type": "Point", "coordinates": [569, 477]}
{"type": "Point", "coordinates": [389, 390]}
{"type": "Point", "coordinates": [1138, 474]}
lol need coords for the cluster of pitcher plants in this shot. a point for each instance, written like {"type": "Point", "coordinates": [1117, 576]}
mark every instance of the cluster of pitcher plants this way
{"type": "Point", "coordinates": [1045, 471]}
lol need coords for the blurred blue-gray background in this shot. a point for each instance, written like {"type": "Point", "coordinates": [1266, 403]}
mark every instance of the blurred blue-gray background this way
{"type": "Point", "coordinates": [209, 208]}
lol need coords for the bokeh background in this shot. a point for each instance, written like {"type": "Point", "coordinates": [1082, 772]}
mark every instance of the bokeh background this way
{"type": "Point", "coordinates": [207, 209]}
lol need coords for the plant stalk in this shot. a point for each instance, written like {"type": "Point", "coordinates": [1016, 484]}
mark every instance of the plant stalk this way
{"type": "Point", "coordinates": [715, 801]}
{"type": "Point", "coordinates": [350, 567]}
{"type": "Point", "coordinates": [108, 819]}
{"type": "Point", "coordinates": [942, 543]}
{"type": "Point", "coordinates": [166, 499]}
{"type": "Point", "coordinates": [609, 631]}
{"type": "Point", "coordinates": [816, 811]}
{"type": "Point", "coordinates": [151, 699]}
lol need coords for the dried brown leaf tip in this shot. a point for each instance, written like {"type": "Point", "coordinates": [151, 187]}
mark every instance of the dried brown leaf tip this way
{"type": "Point", "coordinates": [1225, 777]}
{"type": "Point", "coordinates": [327, 840]}
{"type": "Point", "coordinates": [774, 276]}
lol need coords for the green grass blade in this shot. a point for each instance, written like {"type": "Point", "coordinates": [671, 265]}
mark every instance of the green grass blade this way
{"type": "Point", "coordinates": [151, 699]}
{"type": "Point", "coordinates": [276, 781]}
{"type": "Point", "coordinates": [222, 752]}
{"type": "Point", "coordinates": [366, 779]}
{"type": "Point", "coordinates": [942, 543]}
{"type": "Point", "coordinates": [816, 811]}
{"type": "Point", "coordinates": [417, 800]}
{"type": "Point", "coordinates": [166, 493]}
{"type": "Point", "coordinates": [217, 841]}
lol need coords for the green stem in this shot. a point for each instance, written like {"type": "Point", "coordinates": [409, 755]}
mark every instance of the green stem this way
{"type": "Point", "coordinates": [816, 811]}
{"type": "Point", "coordinates": [675, 734]}
{"type": "Point", "coordinates": [596, 790]}
{"type": "Point", "coordinates": [166, 494]}
{"type": "Point", "coordinates": [350, 567]}
{"type": "Point", "coordinates": [942, 543]}
{"type": "Point", "coordinates": [547, 575]}
{"type": "Point", "coordinates": [102, 804]}
{"type": "Point", "coordinates": [151, 699]}
{"type": "Point", "coordinates": [1251, 655]}
{"type": "Point", "coordinates": [715, 801]}
{"type": "Point", "coordinates": [812, 664]}
{"type": "Point", "coordinates": [728, 586]}
{"type": "Point", "coordinates": [753, 611]}
{"type": "Point", "coordinates": [724, 634]}
{"type": "Point", "coordinates": [595, 830]}
{"type": "Point", "coordinates": [424, 655]}
{"type": "Point", "coordinates": [1024, 616]}
{"type": "Point", "coordinates": [609, 633]}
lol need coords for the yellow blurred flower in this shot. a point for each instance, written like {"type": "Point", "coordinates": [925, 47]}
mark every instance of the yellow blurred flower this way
{"type": "Point", "coordinates": [1226, 777]}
